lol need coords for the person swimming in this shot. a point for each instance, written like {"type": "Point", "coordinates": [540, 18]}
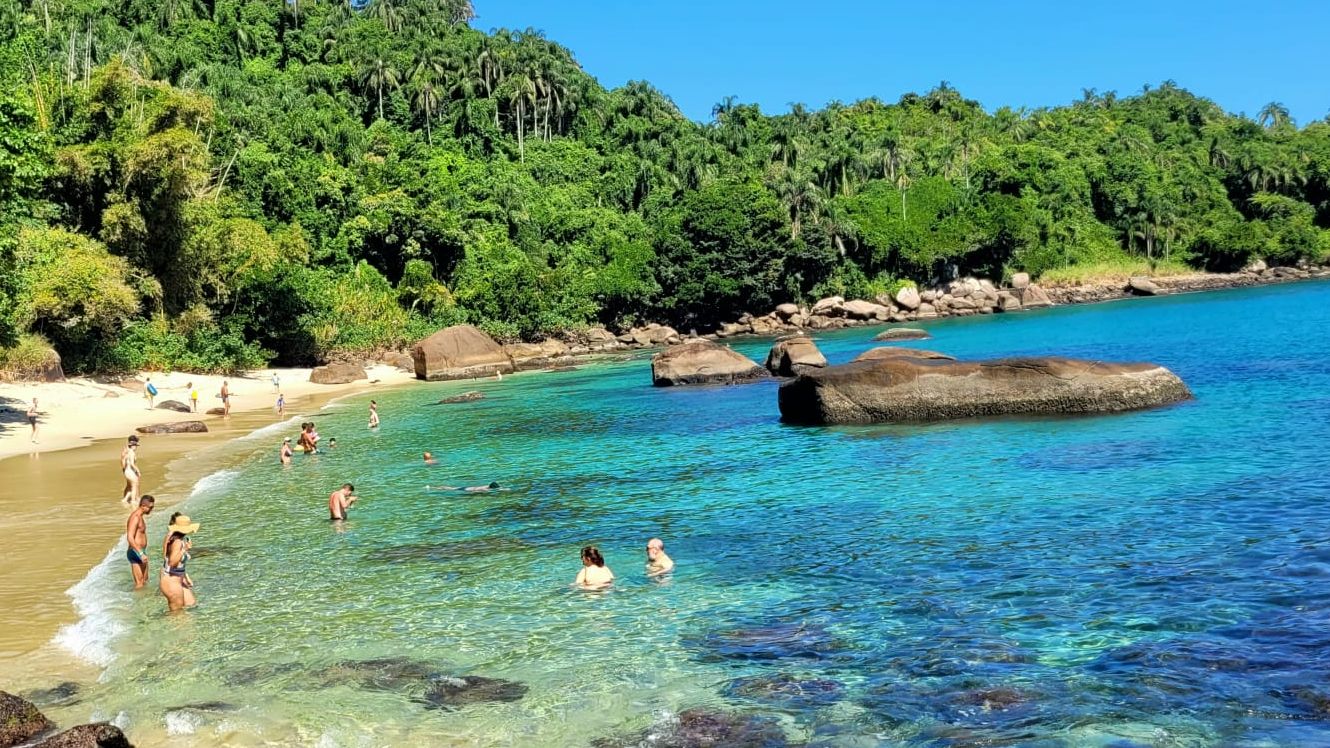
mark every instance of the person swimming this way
{"type": "Point", "coordinates": [594, 574]}
{"type": "Point", "coordinates": [493, 486]}
{"type": "Point", "coordinates": [175, 583]}
{"type": "Point", "coordinates": [657, 562]}
{"type": "Point", "coordinates": [429, 459]}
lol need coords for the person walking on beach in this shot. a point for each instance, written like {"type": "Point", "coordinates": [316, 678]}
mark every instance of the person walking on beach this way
{"type": "Point", "coordinates": [226, 398]}
{"type": "Point", "coordinates": [136, 537]}
{"type": "Point", "coordinates": [340, 501]}
{"type": "Point", "coordinates": [130, 467]}
{"type": "Point", "coordinates": [657, 562]}
{"type": "Point", "coordinates": [281, 404]}
{"type": "Point", "coordinates": [193, 397]}
{"type": "Point", "coordinates": [276, 383]}
{"type": "Point", "coordinates": [32, 419]}
{"type": "Point", "coordinates": [149, 392]}
{"type": "Point", "coordinates": [286, 451]}
{"type": "Point", "coordinates": [175, 583]}
{"type": "Point", "coordinates": [594, 574]}
{"type": "Point", "coordinates": [373, 414]}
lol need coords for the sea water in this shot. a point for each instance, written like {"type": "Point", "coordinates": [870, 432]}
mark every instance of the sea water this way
{"type": "Point", "coordinates": [1152, 578]}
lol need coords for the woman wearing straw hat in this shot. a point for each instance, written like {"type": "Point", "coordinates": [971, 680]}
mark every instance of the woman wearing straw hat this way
{"type": "Point", "coordinates": [175, 583]}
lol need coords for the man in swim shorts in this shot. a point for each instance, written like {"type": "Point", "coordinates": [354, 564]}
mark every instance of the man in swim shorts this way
{"type": "Point", "coordinates": [130, 467]}
{"type": "Point", "coordinates": [657, 562]}
{"type": "Point", "coordinates": [226, 398]}
{"type": "Point", "coordinates": [136, 536]}
{"type": "Point", "coordinates": [32, 419]}
{"type": "Point", "coordinates": [340, 501]}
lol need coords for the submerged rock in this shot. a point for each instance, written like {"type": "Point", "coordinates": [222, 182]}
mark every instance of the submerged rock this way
{"type": "Point", "coordinates": [459, 352]}
{"type": "Point", "coordinates": [96, 735]}
{"type": "Point", "coordinates": [20, 720]}
{"type": "Point", "coordinates": [382, 674]}
{"type": "Point", "coordinates": [887, 351]}
{"type": "Point", "coordinates": [779, 641]}
{"type": "Point", "coordinates": [444, 551]}
{"type": "Point", "coordinates": [183, 427]}
{"type": "Point", "coordinates": [792, 355]}
{"type": "Point", "coordinates": [465, 397]}
{"type": "Point", "coordinates": [702, 362]}
{"type": "Point", "coordinates": [705, 728]}
{"type": "Point", "coordinates": [61, 694]}
{"type": "Point", "coordinates": [908, 389]}
{"type": "Point", "coordinates": [901, 333]}
{"type": "Point", "coordinates": [447, 692]}
{"type": "Point", "coordinates": [786, 690]}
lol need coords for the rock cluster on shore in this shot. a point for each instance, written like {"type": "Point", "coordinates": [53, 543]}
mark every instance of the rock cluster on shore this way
{"type": "Point", "coordinates": [1255, 274]}
{"type": "Point", "coordinates": [21, 723]}
{"type": "Point", "coordinates": [903, 386]}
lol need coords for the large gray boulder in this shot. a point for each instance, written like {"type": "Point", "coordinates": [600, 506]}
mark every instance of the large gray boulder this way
{"type": "Point", "coordinates": [909, 298]}
{"type": "Point", "coordinates": [543, 355]}
{"type": "Point", "coordinates": [459, 352]}
{"type": "Point", "coordinates": [910, 389]}
{"type": "Point", "coordinates": [340, 372]}
{"type": "Point", "coordinates": [1020, 280]}
{"type": "Point", "coordinates": [175, 405]}
{"type": "Point", "coordinates": [181, 427]}
{"type": "Point", "coordinates": [901, 333]}
{"type": "Point", "coordinates": [864, 310]}
{"type": "Point", "coordinates": [702, 362]}
{"type": "Point", "coordinates": [20, 721]}
{"type": "Point", "coordinates": [790, 356]}
{"type": "Point", "coordinates": [1033, 297]}
{"type": "Point", "coordinates": [1142, 286]}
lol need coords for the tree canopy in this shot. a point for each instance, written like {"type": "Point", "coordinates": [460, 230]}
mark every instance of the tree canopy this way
{"type": "Point", "coordinates": [210, 184]}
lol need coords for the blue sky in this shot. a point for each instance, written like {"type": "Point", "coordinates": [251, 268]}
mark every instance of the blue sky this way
{"type": "Point", "coordinates": [1001, 52]}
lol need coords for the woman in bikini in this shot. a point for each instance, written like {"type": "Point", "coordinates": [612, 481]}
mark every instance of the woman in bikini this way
{"type": "Point", "coordinates": [175, 583]}
{"type": "Point", "coordinates": [595, 574]}
{"type": "Point", "coordinates": [130, 468]}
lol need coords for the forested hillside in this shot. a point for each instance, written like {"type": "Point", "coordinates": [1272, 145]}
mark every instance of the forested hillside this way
{"type": "Point", "coordinates": [209, 184]}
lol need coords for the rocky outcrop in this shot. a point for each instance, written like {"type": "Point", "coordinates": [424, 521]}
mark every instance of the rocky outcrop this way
{"type": "Point", "coordinates": [908, 298]}
{"type": "Point", "coordinates": [175, 405]}
{"type": "Point", "coordinates": [887, 351]}
{"type": "Point", "coordinates": [183, 427]}
{"type": "Point", "coordinates": [790, 356]}
{"type": "Point", "coordinates": [702, 362]}
{"type": "Point", "coordinates": [465, 397]}
{"type": "Point", "coordinates": [1142, 286]}
{"type": "Point", "coordinates": [338, 373]}
{"type": "Point", "coordinates": [459, 352]}
{"type": "Point", "coordinates": [909, 389]}
{"type": "Point", "coordinates": [20, 721]}
{"type": "Point", "coordinates": [96, 735]}
{"type": "Point", "coordinates": [449, 692]}
{"type": "Point", "coordinates": [1032, 297]}
{"type": "Point", "coordinates": [546, 354]}
{"type": "Point", "coordinates": [865, 310]}
{"type": "Point", "coordinates": [901, 333]}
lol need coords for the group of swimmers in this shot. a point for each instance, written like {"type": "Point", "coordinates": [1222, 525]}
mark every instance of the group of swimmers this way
{"type": "Point", "coordinates": [596, 575]}
{"type": "Point", "coordinates": [174, 582]}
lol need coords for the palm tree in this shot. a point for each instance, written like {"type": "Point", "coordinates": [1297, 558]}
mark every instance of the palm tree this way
{"type": "Point", "coordinates": [799, 195]}
{"type": "Point", "coordinates": [426, 102]}
{"type": "Point", "coordinates": [387, 12]}
{"type": "Point", "coordinates": [378, 74]}
{"type": "Point", "coordinates": [521, 91]}
{"type": "Point", "coordinates": [724, 107]}
{"type": "Point", "coordinates": [1274, 116]}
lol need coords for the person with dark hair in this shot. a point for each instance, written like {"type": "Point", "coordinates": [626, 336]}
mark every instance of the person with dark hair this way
{"type": "Point", "coordinates": [136, 537]}
{"type": "Point", "coordinates": [340, 501]}
{"type": "Point", "coordinates": [594, 574]}
{"type": "Point", "coordinates": [286, 451]}
{"type": "Point", "coordinates": [129, 465]}
{"type": "Point", "coordinates": [175, 583]}
{"type": "Point", "coordinates": [373, 414]}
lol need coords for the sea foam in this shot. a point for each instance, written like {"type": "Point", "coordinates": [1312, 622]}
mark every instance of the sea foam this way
{"type": "Point", "coordinates": [102, 606]}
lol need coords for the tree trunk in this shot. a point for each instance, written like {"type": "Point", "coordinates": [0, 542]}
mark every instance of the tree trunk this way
{"type": "Point", "coordinates": [380, 87]}
{"type": "Point", "coordinates": [521, 117]}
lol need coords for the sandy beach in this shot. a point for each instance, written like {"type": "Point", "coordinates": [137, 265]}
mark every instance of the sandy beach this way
{"type": "Point", "coordinates": [53, 485]}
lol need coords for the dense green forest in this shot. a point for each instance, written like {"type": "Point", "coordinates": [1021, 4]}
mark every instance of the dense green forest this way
{"type": "Point", "coordinates": [212, 184]}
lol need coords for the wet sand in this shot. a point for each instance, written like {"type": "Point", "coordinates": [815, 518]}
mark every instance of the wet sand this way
{"type": "Point", "coordinates": [60, 513]}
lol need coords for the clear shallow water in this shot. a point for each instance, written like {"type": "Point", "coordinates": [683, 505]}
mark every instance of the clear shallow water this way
{"type": "Point", "coordinates": [1155, 578]}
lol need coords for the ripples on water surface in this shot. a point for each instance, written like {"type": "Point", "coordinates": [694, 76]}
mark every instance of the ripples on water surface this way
{"type": "Point", "coordinates": [1156, 578]}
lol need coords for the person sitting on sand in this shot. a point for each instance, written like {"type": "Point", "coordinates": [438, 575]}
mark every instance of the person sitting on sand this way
{"type": "Point", "coordinates": [657, 562]}
{"type": "Point", "coordinates": [286, 450]}
{"type": "Point", "coordinates": [429, 459]}
{"type": "Point", "coordinates": [340, 501]}
{"type": "Point", "coordinates": [594, 574]}
{"type": "Point", "coordinates": [494, 486]}
{"type": "Point", "coordinates": [175, 583]}
{"type": "Point", "coordinates": [136, 537]}
{"type": "Point", "coordinates": [130, 467]}
{"type": "Point", "coordinates": [373, 414]}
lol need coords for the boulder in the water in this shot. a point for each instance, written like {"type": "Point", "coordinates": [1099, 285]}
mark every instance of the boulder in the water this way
{"type": "Point", "coordinates": [907, 389]}
{"type": "Point", "coordinates": [340, 372]}
{"type": "Point", "coordinates": [459, 352]}
{"type": "Point", "coordinates": [448, 692]}
{"type": "Point", "coordinates": [181, 427]}
{"type": "Point", "coordinates": [702, 362]}
{"type": "Point", "coordinates": [61, 694]}
{"type": "Point", "coordinates": [792, 355]}
{"type": "Point", "coordinates": [96, 735]}
{"type": "Point", "coordinates": [20, 720]}
{"type": "Point", "coordinates": [705, 728]}
{"type": "Point", "coordinates": [891, 351]}
{"type": "Point", "coordinates": [383, 674]}
{"type": "Point", "coordinates": [465, 397]}
{"type": "Point", "coordinates": [780, 641]}
{"type": "Point", "coordinates": [901, 333]}
{"type": "Point", "coordinates": [175, 405]}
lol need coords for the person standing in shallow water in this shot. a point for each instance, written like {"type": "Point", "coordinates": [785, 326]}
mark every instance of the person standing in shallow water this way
{"type": "Point", "coordinates": [175, 583]}
{"type": "Point", "coordinates": [340, 501]}
{"type": "Point", "coordinates": [657, 562]}
{"type": "Point", "coordinates": [373, 414]}
{"type": "Point", "coordinates": [594, 574]}
{"type": "Point", "coordinates": [286, 451]}
{"type": "Point", "coordinates": [136, 537]}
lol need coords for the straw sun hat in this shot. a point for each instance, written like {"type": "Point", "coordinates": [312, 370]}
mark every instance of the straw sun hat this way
{"type": "Point", "coordinates": [184, 526]}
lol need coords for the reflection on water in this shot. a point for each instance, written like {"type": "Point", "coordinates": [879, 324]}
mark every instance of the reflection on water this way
{"type": "Point", "coordinates": [1148, 578]}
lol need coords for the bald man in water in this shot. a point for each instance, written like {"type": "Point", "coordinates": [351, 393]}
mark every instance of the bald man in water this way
{"type": "Point", "coordinates": [657, 562]}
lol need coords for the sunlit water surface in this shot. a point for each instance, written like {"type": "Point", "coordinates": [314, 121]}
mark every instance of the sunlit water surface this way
{"type": "Point", "coordinates": [1155, 578]}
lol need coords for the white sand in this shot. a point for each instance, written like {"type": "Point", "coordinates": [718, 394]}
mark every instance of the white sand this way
{"type": "Point", "coordinates": [77, 411]}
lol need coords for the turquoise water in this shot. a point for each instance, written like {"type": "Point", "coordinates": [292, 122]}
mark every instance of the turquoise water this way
{"type": "Point", "coordinates": [1154, 578]}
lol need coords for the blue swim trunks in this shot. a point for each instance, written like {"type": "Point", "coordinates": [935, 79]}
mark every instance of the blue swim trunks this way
{"type": "Point", "coordinates": [136, 557]}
